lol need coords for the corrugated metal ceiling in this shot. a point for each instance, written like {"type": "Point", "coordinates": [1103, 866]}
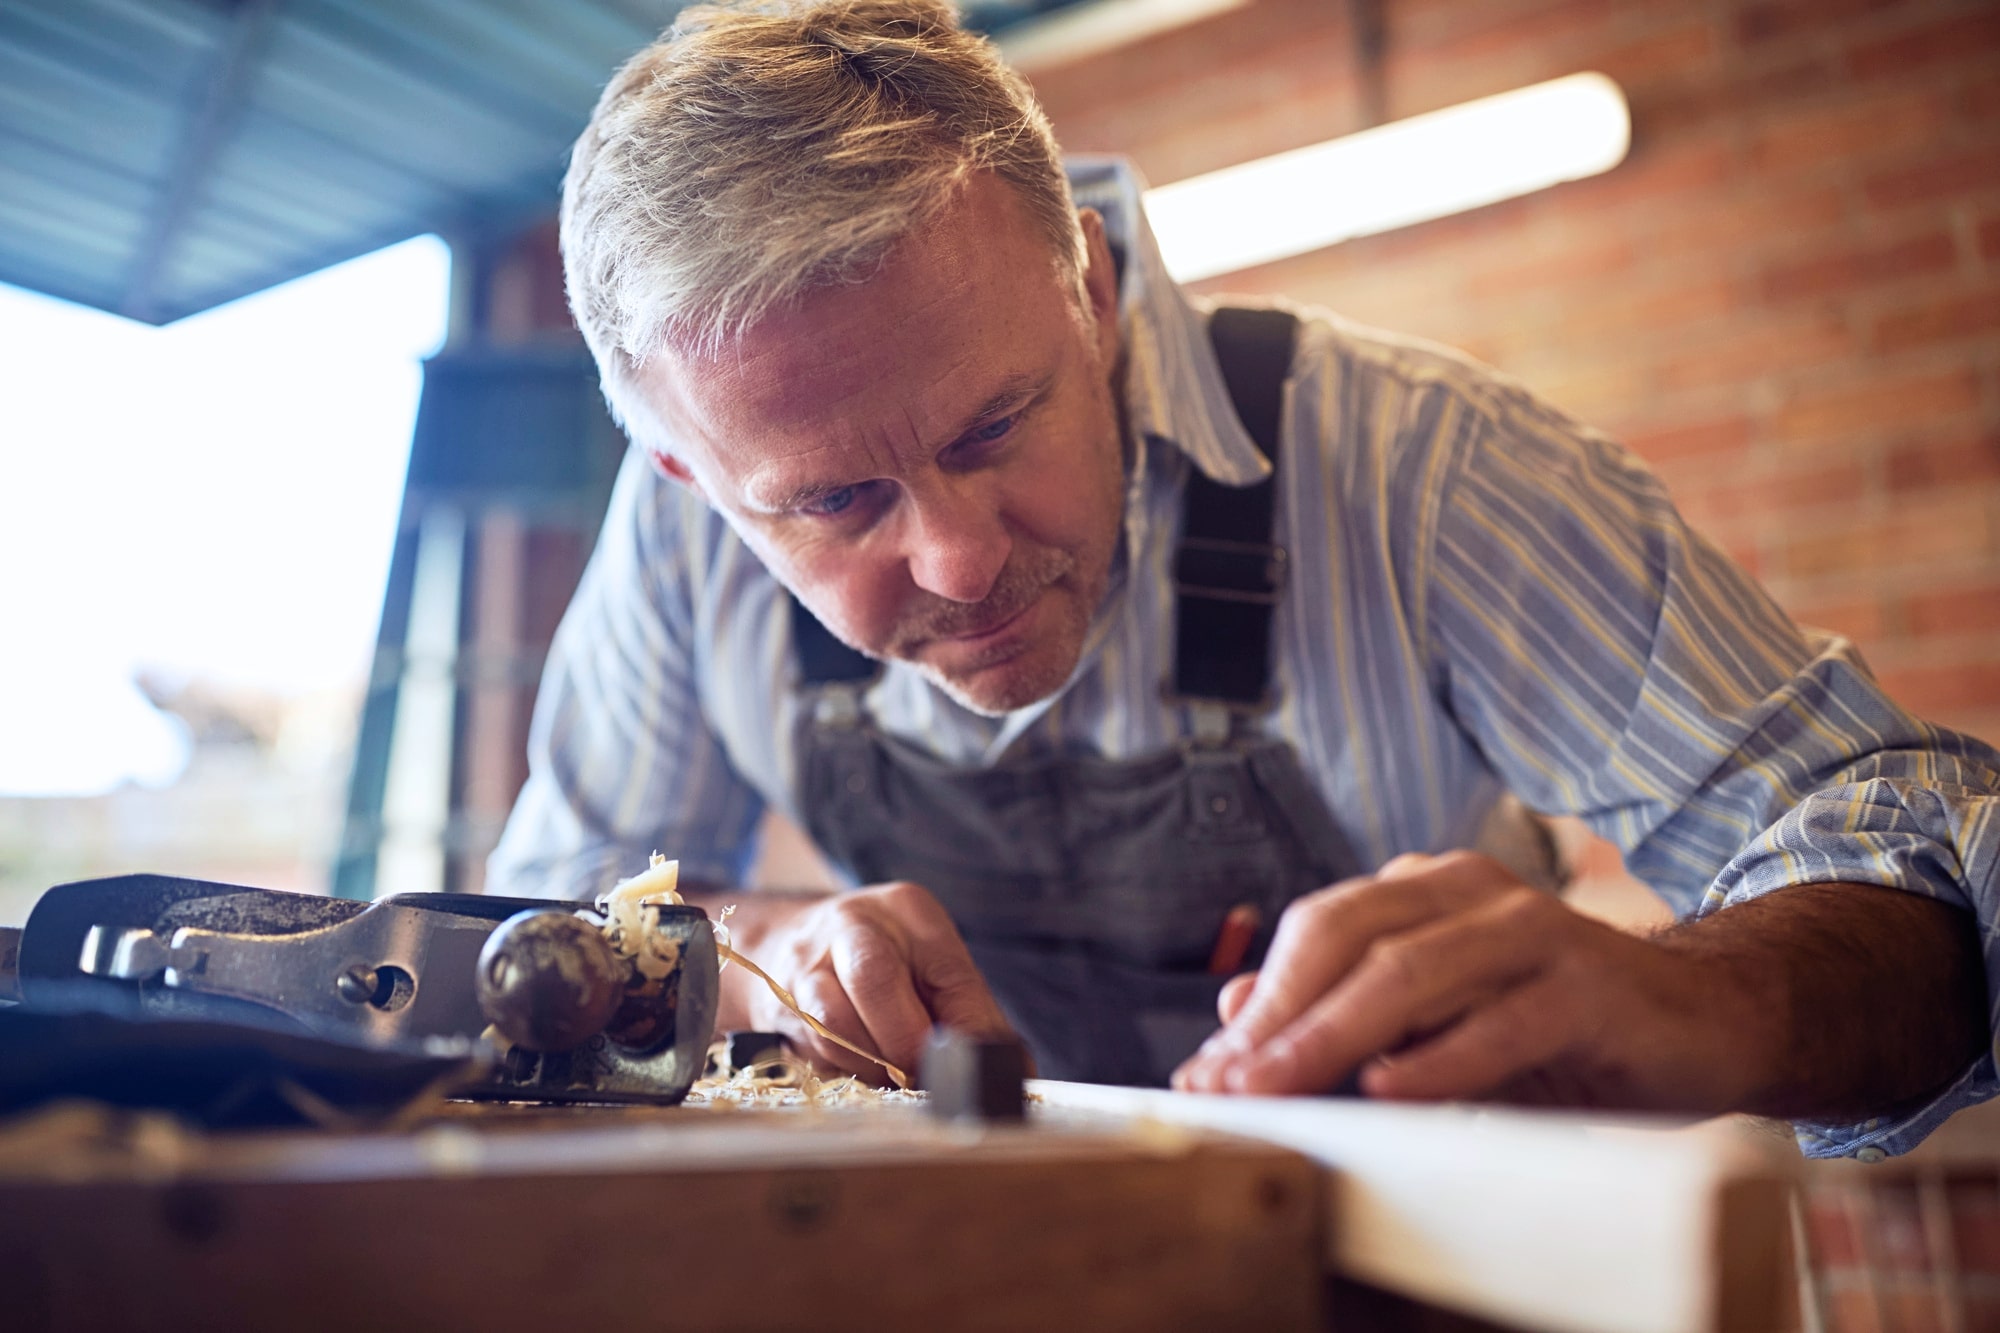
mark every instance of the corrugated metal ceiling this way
{"type": "Point", "coordinates": [159, 157]}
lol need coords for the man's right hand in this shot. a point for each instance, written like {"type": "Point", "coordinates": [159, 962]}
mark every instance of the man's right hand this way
{"type": "Point", "coordinates": [879, 966]}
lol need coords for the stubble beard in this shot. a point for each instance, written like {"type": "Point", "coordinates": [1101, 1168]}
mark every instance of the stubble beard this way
{"type": "Point", "coordinates": [1019, 583]}
{"type": "Point", "coordinates": [1034, 671]}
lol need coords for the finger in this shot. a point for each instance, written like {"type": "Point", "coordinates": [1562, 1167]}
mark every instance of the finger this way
{"type": "Point", "coordinates": [958, 995]}
{"type": "Point", "coordinates": [947, 980]}
{"type": "Point", "coordinates": [1518, 1033]}
{"type": "Point", "coordinates": [1406, 865]}
{"type": "Point", "coordinates": [1235, 994]}
{"type": "Point", "coordinates": [1228, 1003]}
{"type": "Point", "coordinates": [1323, 936]}
{"type": "Point", "coordinates": [821, 995]}
{"type": "Point", "coordinates": [1319, 940]}
{"type": "Point", "coordinates": [1405, 984]}
{"type": "Point", "coordinates": [877, 980]}
{"type": "Point", "coordinates": [1193, 1073]}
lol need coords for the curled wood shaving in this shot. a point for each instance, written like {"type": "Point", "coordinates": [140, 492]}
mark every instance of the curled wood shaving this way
{"type": "Point", "coordinates": [659, 884]}
{"type": "Point", "coordinates": [654, 954]}
{"type": "Point", "coordinates": [896, 1075]}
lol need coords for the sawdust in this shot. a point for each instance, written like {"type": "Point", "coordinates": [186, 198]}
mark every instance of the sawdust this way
{"type": "Point", "coordinates": [75, 1140]}
{"type": "Point", "coordinates": [787, 1081]}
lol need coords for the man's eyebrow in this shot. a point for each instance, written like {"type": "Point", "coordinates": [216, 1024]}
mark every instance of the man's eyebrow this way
{"type": "Point", "coordinates": [803, 496]}
{"type": "Point", "coordinates": [1014, 392]}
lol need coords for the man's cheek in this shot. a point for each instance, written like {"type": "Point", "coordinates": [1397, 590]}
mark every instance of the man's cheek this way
{"type": "Point", "coordinates": [805, 568]}
{"type": "Point", "coordinates": [1061, 512]}
{"type": "Point", "coordinates": [856, 605]}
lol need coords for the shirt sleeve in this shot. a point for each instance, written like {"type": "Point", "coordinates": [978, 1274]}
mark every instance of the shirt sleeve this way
{"type": "Point", "coordinates": [621, 761]}
{"type": "Point", "coordinates": [1613, 664]}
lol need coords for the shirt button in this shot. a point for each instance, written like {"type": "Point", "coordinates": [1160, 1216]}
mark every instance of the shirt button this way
{"type": "Point", "coordinates": [857, 783]}
{"type": "Point", "coordinates": [1871, 1154]}
{"type": "Point", "coordinates": [1220, 805]}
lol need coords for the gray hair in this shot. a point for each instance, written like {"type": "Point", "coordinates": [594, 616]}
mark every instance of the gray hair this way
{"type": "Point", "coordinates": [763, 149]}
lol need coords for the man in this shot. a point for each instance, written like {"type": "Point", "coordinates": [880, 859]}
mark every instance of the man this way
{"type": "Point", "coordinates": [1176, 635]}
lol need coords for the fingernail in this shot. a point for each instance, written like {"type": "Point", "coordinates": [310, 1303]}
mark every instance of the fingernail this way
{"type": "Point", "coordinates": [1258, 1071]}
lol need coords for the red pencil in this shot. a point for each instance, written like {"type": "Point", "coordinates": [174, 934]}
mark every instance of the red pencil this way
{"type": "Point", "coordinates": [1232, 942]}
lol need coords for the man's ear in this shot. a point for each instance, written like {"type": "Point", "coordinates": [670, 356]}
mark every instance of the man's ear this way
{"type": "Point", "coordinates": [674, 468]}
{"type": "Point", "coordinates": [1100, 280]}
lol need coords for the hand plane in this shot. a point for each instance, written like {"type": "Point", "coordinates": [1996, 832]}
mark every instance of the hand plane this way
{"type": "Point", "coordinates": [577, 1021]}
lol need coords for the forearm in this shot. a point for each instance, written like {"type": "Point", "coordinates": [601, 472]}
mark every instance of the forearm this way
{"type": "Point", "coordinates": [1856, 999]}
{"type": "Point", "coordinates": [758, 913]}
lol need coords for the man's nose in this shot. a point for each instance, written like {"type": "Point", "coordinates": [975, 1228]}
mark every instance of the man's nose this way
{"type": "Point", "coordinates": [956, 545]}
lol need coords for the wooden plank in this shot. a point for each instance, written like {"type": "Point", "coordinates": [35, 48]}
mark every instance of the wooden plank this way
{"type": "Point", "coordinates": [690, 1221]}
{"type": "Point", "coordinates": [1543, 1220]}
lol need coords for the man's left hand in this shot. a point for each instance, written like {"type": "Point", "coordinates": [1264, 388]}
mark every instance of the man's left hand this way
{"type": "Point", "coordinates": [1446, 977]}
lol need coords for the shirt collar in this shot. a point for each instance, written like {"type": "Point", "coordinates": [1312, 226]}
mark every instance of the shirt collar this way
{"type": "Point", "coordinates": [1174, 390]}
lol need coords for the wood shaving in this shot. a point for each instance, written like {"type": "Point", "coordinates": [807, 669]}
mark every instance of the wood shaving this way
{"type": "Point", "coordinates": [421, 1105]}
{"type": "Point", "coordinates": [627, 928]}
{"type": "Point", "coordinates": [787, 1081]}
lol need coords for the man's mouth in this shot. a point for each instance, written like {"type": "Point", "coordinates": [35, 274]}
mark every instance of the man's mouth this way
{"type": "Point", "coordinates": [1009, 611]}
{"type": "Point", "coordinates": [992, 629]}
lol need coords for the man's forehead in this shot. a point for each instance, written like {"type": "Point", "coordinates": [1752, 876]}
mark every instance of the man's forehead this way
{"type": "Point", "coordinates": [931, 296]}
{"type": "Point", "coordinates": [954, 318]}
{"type": "Point", "coordinates": [815, 392]}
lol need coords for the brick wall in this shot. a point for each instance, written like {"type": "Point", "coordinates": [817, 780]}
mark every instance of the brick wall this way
{"type": "Point", "coordinates": [1787, 299]}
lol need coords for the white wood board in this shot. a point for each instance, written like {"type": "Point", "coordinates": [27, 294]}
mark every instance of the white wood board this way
{"type": "Point", "coordinates": [1544, 1220]}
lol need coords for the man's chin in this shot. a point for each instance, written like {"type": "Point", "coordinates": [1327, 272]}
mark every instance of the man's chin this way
{"type": "Point", "coordinates": [998, 690]}
{"type": "Point", "coordinates": [991, 703]}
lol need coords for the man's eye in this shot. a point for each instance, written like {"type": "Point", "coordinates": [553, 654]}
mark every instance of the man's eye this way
{"type": "Point", "coordinates": [829, 504]}
{"type": "Point", "coordinates": [846, 502]}
{"type": "Point", "coordinates": [992, 430]}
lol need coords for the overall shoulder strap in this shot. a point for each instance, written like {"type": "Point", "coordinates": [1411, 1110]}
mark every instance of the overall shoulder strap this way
{"type": "Point", "coordinates": [1227, 572]}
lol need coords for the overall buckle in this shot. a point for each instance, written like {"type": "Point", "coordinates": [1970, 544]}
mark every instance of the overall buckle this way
{"type": "Point", "coordinates": [1229, 571]}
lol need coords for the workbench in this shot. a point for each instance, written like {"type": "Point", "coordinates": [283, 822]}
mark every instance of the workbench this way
{"type": "Point", "coordinates": [1110, 1208]}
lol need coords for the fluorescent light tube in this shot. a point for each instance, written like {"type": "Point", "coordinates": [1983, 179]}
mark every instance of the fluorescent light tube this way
{"type": "Point", "coordinates": [1395, 175]}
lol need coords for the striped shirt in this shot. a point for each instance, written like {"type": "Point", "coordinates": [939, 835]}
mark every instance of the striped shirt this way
{"type": "Point", "coordinates": [1483, 596]}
